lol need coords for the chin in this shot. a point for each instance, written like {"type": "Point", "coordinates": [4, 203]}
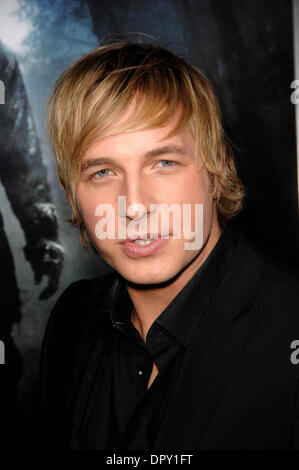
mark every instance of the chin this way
{"type": "Point", "coordinates": [148, 276]}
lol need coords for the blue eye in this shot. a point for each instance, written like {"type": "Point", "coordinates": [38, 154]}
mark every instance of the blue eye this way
{"type": "Point", "coordinates": [167, 161]}
{"type": "Point", "coordinates": [100, 173]}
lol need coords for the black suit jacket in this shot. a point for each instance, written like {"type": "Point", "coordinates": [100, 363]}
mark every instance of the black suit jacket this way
{"type": "Point", "coordinates": [237, 388]}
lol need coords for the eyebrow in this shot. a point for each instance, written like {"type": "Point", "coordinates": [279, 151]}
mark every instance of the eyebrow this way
{"type": "Point", "coordinates": [166, 149]}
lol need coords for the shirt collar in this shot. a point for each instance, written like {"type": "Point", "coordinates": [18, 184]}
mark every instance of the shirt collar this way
{"type": "Point", "coordinates": [184, 313]}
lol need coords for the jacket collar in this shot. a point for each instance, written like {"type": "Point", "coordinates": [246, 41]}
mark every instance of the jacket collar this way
{"type": "Point", "coordinates": [184, 314]}
{"type": "Point", "coordinates": [217, 345]}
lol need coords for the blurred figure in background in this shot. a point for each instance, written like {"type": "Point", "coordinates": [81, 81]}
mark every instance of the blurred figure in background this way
{"type": "Point", "coordinates": [23, 175]}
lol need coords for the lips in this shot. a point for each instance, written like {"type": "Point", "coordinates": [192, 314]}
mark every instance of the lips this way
{"type": "Point", "coordinates": [134, 250]}
{"type": "Point", "coordinates": [147, 236]}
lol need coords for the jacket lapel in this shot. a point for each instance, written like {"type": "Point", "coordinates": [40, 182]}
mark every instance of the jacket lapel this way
{"type": "Point", "coordinates": [89, 353]}
{"type": "Point", "coordinates": [217, 345]}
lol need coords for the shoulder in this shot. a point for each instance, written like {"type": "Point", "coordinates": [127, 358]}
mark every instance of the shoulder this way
{"type": "Point", "coordinates": [68, 321]}
{"type": "Point", "coordinates": [279, 286]}
{"type": "Point", "coordinates": [275, 281]}
{"type": "Point", "coordinates": [79, 291]}
{"type": "Point", "coordinates": [276, 291]}
{"type": "Point", "coordinates": [72, 309]}
{"type": "Point", "coordinates": [256, 278]}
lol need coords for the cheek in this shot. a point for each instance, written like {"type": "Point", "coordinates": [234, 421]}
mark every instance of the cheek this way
{"type": "Point", "coordinates": [198, 191]}
{"type": "Point", "coordinates": [86, 204]}
{"type": "Point", "coordinates": [195, 190]}
{"type": "Point", "coordinates": [98, 220]}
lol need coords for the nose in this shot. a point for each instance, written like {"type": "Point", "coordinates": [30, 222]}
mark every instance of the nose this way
{"type": "Point", "coordinates": [137, 199]}
{"type": "Point", "coordinates": [136, 211]}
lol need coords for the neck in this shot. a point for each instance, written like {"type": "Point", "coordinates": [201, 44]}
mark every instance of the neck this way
{"type": "Point", "coordinates": [150, 301]}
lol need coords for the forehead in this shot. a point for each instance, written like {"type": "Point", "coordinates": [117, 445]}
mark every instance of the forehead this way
{"type": "Point", "coordinates": [134, 128]}
{"type": "Point", "coordinates": [143, 142]}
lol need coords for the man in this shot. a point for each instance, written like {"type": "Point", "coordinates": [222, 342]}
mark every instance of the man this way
{"type": "Point", "coordinates": [178, 348]}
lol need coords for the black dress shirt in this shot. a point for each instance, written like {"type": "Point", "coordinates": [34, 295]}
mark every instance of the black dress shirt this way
{"type": "Point", "coordinates": [122, 413]}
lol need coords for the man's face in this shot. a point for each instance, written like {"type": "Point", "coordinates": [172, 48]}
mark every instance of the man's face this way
{"type": "Point", "coordinates": [147, 169]}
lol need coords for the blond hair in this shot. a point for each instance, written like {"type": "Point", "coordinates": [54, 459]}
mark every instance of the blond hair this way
{"type": "Point", "coordinates": [95, 91]}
